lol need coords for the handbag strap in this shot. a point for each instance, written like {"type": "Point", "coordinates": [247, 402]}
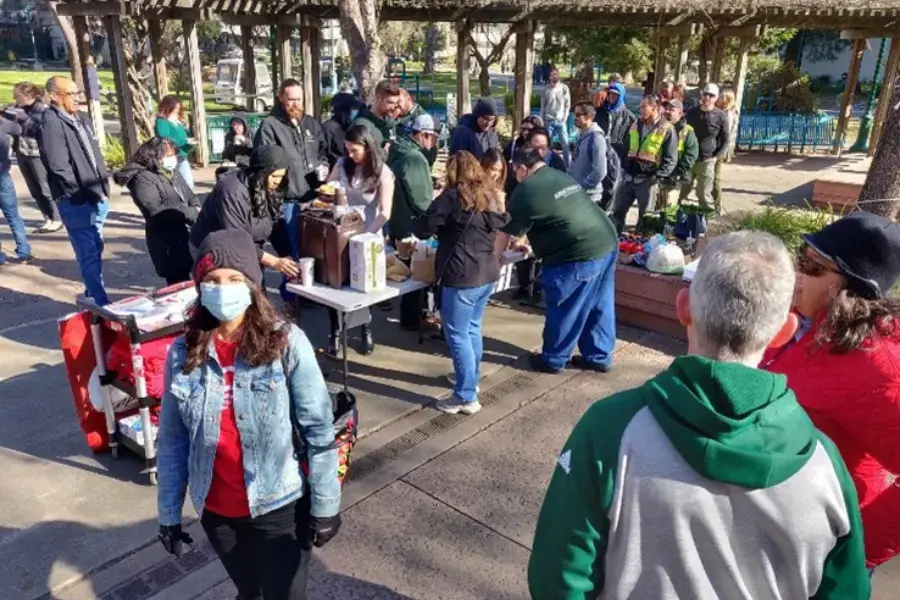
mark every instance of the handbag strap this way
{"type": "Point", "coordinates": [438, 279]}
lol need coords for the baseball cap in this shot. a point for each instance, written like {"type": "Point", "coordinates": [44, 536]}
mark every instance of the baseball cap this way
{"type": "Point", "coordinates": [711, 89]}
{"type": "Point", "coordinates": [425, 124]}
{"type": "Point", "coordinates": [674, 104]}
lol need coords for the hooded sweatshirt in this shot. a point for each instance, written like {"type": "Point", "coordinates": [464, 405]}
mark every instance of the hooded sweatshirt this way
{"type": "Point", "coordinates": [383, 129]}
{"type": "Point", "coordinates": [709, 481]}
{"type": "Point", "coordinates": [470, 137]}
{"type": "Point", "coordinates": [615, 120]}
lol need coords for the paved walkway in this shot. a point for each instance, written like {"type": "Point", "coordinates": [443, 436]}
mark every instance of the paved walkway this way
{"type": "Point", "coordinates": [439, 507]}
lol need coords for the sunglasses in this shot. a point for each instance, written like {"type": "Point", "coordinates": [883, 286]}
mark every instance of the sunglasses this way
{"type": "Point", "coordinates": [708, 95]}
{"type": "Point", "coordinates": [812, 268]}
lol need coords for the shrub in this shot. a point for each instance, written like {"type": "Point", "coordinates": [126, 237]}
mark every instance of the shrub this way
{"type": "Point", "coordinates": [326, 104]}
{"type": "Point", "coordinates": [114, 153]}
{"type": "Point", "coordinates": [509, 101]}
{"type": "Point", "coordinates": [786, 87]}
{"type": "Point", "coordinates": [787, 224]}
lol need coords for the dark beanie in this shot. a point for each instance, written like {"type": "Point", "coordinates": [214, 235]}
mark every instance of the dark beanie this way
{"type": "Point", "coordinates": [269, 158]}
{"type": "Point", "coordinates": [228, 249]}
{"type": "Point", "coordinates": [866, 248]}
{"type": "Point", "coordinates": [485, 108]}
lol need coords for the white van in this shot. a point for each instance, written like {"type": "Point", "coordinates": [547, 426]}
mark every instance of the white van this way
{"type": "Point", "coordinates": [230, 81]}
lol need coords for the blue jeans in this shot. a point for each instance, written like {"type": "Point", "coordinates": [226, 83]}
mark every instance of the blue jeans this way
{"type": "Point", "coordinates": [558, 128]}
{"type": "Point", "coordinates": [184, 167]}
{"type": "Point", "coordinates": [461, 312]}
{"type": "Point", "coordinates": [84, 224]}
{"type": "Point", "coordinates": [581, 310]}
{"type": "Point", "coordinates": [10, 209]}
{"type": "Point", "coordinates": [291, 213]}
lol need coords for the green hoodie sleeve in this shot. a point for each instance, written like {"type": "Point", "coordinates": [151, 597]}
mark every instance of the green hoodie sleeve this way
{"type": "Point", "coordinates": [567, 560]}
{"type": "Point", "coordinates": [687, 158]}
{"type": "Point", "coordinates": [845, 576]}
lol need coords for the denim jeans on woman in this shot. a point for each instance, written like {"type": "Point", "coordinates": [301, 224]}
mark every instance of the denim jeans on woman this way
{"type": "Point", "coordinates": [10, 210]}
{"type": "Point", "coordinates": [84, 225]}
{"type": "Point", "coordinates": [184, 167]}
{"type": "Point", "coordinates": [462, 310]}
{"type": "Point", "coordinates": [581, 310]}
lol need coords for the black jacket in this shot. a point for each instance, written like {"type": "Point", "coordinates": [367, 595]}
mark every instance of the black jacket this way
{"type": "Point", "coordinates": [335, 131]}
{"type": "Point", "coordinates": [228, 207]}
{"type": "Point", "coordinates": [305, 146]}
{"type": "Point", "coordinates": [238, 151]}
{"type": "Point", "coordinates": [169, 208]}
{"type": "Point", "coordinates": [27, 143]}
{"type": "Point", "coordinates": [465, 256]}
{"type": "Point", "coordinates": [69, 170]}
{"type": "Point", "coordinates": [616, 125]}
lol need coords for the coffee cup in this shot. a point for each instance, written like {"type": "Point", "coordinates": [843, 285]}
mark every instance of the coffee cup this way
{"type": "Point", "coordinates": [307, 267]}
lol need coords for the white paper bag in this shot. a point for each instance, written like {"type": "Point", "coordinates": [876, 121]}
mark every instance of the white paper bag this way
{"type": "Point", "coordinates": [367, 262]}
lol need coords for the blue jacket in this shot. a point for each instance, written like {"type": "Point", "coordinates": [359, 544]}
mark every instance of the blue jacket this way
{"type": "Point", "coordinates": [267, 400]}
{"type": "Point", "coordinates": [466, 136]}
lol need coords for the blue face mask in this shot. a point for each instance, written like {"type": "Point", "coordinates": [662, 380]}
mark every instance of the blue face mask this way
{"type": "Point", "coordinates": [225, 302]}
{"type": "Point", "coordinates": [353, 113]}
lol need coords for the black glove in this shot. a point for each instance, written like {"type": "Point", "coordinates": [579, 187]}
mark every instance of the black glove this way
{"type": "Point", "coordinates": [172, 539]}
{"type": "Point", "coordinates": [322, 529]}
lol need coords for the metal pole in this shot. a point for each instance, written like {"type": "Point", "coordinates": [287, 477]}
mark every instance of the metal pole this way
{"type": "Point", "coordinates": [865, 125]}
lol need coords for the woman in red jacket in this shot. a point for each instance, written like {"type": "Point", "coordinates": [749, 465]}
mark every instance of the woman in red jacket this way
{"type": "Point", "coordinates": [844, 365]}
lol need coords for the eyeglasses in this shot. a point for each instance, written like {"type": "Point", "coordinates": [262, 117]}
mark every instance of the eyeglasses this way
{"type": "Point", "coordinates": [811, 267]}
{"type": "Point", "coordinates": [708, 95]}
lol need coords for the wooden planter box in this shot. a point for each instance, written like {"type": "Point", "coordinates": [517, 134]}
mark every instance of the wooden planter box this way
{"type": "Point", "coordinates": [647, 300]}
{"type": "Point", "coordinates": [839, 195]}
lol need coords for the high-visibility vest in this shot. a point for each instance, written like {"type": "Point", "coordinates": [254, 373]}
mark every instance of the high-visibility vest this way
{"type": "Point", "coordinates": [651, 148]}
{"type": "Point", "coordinates": [682, 135]}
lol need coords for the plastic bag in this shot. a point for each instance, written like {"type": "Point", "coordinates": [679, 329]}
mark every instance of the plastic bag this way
{"type": "Point", "coordinates": [667, 259]}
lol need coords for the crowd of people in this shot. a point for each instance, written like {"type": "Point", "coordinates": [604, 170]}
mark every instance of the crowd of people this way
{"type": "Point", "coordinates": [760, 465]}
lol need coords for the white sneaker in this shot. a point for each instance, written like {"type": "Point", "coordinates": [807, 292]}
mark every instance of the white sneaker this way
{"type": "Point", "coordinates": [454, 405]}
{"type": "Point", "coordinates": [451, 379]}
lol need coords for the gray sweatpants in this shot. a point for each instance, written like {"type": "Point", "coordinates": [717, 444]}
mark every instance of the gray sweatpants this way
{"type": "Point", "coordinates": [643, 190]}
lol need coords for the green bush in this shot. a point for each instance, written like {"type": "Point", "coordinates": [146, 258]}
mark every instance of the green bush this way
{"type": "Point", "coordinates": [787, 224]}
{"type": "Point", "coordinates": [787, 88]}
{"type": "Point", "coordinates": [509, 101]}
{"type": "Point", "coordinates": [114, 153]}
{"type": "Point", "coordinates": [326, 104]}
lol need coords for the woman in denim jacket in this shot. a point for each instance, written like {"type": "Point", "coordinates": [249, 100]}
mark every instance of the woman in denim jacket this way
{"type": "Point", "coordinates": [238, 385]}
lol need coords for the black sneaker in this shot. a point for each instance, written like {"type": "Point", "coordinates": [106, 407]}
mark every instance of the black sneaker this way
{"type": "Point", "coordinates": [580, 362]}
{"type": "Point", "coordinates": [22, 260]}
{"type": "Point", "coordinates": [368, 344]}
{"type": "Point", "coordinates": [521, 293]}
{"type": "Point", "coordinates": [537, 363]}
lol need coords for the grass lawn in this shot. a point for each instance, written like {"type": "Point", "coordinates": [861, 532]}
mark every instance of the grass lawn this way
{"type": "Point", "coordinates": [442, 83]}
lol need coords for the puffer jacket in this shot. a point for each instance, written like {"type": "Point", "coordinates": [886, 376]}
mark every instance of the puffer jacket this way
{"type": "Point", "coordinates": [27, 143]}
{"type": "Point", "coordinates": [269, 402]}
{"type": "Point", "coordinates": [854, 399]}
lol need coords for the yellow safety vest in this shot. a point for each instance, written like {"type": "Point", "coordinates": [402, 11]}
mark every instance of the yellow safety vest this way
{"type": "Point", "coordinates": [683, 136]}
{"type": "Point", "coordinates": [651, 149]}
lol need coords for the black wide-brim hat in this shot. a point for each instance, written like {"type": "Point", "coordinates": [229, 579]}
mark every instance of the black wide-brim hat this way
{"type": "Point", "coordinates": [866, 248]}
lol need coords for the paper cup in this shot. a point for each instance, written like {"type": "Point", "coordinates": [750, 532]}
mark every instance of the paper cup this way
{"type": "Point", "coordinates": [307, 271]}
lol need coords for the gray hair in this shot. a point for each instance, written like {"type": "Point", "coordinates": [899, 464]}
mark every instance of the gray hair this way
{"type": "Point", "coordinates": [741, 295]}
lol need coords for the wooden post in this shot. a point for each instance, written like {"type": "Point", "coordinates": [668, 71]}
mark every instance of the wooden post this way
{"type": "Point", "coordinates": [123, 90]}
{"type": "Point", "coordinates": [249, 83]}
{"type": "Point", "coordinates": [283, 45]}
{"type": "Point", "coordinates": [659, 69]}
{"type": "Point", "coordinates": [306, 55]}
{"type": "Point", "coordinates": [715, 73]}
{"type": "Point", "coordinates": [158, 58]}
{"type": "Point", "coordinates": [315, 50]}
{"type": "Point", "coordinates": [463, 96]}
{"type": "Point", "coordinates": [856, 54]}
{"type": "Point", "coordinates": [198, 109]}
{"type": "Point", "coordinates": [884, 95]}
{"type": "Point", "coordinates": [523, 71]}
{"type": "Point", "coordinates": [682, 58]}
{"type": "Point", "coordinates": [740, 80]}
{"type": "Point", "coordinates": [88, 75]}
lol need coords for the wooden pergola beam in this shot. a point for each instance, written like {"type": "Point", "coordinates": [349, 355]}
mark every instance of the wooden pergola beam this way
{"type": "Point", "coordinates": [124, 101]}
{"type": "Point", "coordinates": [249, 67]}
{"type": "Point", "coordinates": [293, 20]}
{"type": "Point", "coordinates": [157, 58]}
{"type": "Point", "coordinates": [463, 95]}
{"type": "Point", "coordinates": [740, 79]}
{"type": "Point", "coordinates": [718, 60]}
{"type": "Point", "coordinates": [856, 56]}
{"type": "Point", "coordinates": [661, 63]}
{"type": "Point", "coordinates": [283, 52]}
{"type": "Point", "coordinates": [307, 58]}
{"type": "Point", "coordinates": [751, 31]}
{"type": "Point", "coordinates": [865, 34]}
{"type": "Point", "coordinates": [681, 57]}
{"type": "Point", "coordinates": [198, 108]}
{"type": "Point", "coordinates": [523, 70]}
{"type": "Point", "coordinates": [884, 95]}
{"type": "Point", "coordinates": [674, 31]}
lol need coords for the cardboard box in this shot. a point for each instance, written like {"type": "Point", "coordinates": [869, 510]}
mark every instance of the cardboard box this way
{"type": "Point", "coordinates": [367, 262]}
{"type": "Point", "coordinates": [423, 268]}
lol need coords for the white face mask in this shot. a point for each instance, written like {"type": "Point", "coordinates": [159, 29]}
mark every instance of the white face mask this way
{"type": "Point", "coordinates": [169, 163]}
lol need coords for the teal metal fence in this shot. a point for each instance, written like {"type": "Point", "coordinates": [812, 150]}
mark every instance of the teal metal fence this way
{"type": "Point", "coordinates": [784, 131]}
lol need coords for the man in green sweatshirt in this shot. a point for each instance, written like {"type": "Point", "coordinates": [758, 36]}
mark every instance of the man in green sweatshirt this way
{"type": "Point", "coordinates": [709, 481]}
{"type": "Point", "coordinates": [413, 193]}
{"type": "Point", "coordinates": [379, 117]}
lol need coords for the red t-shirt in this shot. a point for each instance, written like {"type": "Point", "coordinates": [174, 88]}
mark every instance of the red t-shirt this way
{"type": "Point", "coordinates": [228, 492]}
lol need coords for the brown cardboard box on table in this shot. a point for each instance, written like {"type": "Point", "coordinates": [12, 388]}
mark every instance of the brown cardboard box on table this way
{"type": "Point", "coordinates": [423, 264]}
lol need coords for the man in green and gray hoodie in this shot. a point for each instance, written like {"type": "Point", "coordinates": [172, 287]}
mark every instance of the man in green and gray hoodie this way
{"type": "Point", "coordinates": [709, 481]}
{"type": "Point", "coordinates": [379, 117]}
{"type": "Point", "coordinates": [413, 193]}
